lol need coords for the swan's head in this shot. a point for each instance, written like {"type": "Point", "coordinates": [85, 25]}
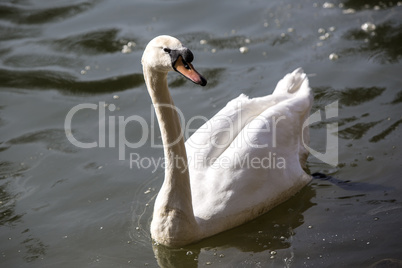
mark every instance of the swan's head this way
{"type": "Point", "coordinates": [165, 53]}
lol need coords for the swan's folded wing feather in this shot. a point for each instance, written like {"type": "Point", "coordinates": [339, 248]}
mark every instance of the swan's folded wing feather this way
{"type": "Point", "coordinates": [216, 135]}
{"type": "Point", "coordinates": [257, 169]}
{"type": "Point", "coordinates": [261, 167]}
{"type": "Point", "coordinates": [212, 138]}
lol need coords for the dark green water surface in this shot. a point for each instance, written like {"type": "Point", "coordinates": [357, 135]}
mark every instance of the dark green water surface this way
{"type": "Point", "coordinates": [65, 206]}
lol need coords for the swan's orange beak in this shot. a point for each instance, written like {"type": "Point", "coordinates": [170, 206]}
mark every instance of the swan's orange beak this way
{"type": "Point", "coordinates": [187, 69]}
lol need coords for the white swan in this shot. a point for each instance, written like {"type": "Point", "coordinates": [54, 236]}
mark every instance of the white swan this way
{"type": "Point", "coordinates": [245, 160]}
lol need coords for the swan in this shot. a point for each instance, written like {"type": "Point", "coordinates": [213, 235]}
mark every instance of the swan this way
{"type": "Point", "coordinates": [224, 174]}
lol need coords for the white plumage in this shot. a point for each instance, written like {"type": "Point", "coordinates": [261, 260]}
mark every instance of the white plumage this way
{"type": "Point", "coordinates": [245, 160]}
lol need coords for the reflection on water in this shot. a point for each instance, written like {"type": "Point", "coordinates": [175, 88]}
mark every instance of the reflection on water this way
{"type": "Point", "coordinates": [356, 131]}
{"type": "Point", "coordinates": [349, 128]}
{"type": "Point", "coordinates": [96, 42]}
{"type": "Point", "coordinates": [386, 132]}
{"type": "Point", "coordinates": [398, 98]}
{"type": "Point", "coordinates": [7, 202]}
{"type": "Point", "coordinates": [380, 43]}
{"type": "Point", "coordinates": [52, 138]}
{"type": "Point", "coordinates": [347, 97]}
{"type": "Point", "coordinates": [23, 14]}
{"type": "Point", "coordinates": [35, 249]}
{"type": "Point", "coordinates": [268, 233]}
{"type": "Point", "coordinates": [370, 4]}
{"type": "Point", "coordinates": [67, 82]}
{"type": "Point", "coordinates": [32, 247]}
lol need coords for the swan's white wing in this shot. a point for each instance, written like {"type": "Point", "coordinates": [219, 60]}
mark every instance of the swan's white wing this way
{"type": "Point", "coordinates": [215, 136]}
{"type": "Point", "coordinates": [262, 164]}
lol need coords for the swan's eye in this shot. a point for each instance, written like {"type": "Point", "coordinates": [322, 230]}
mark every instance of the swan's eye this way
{"type": "Point", "coordinates": [186, 65]}
{"type": "Point", "coordinates": [167, 50]}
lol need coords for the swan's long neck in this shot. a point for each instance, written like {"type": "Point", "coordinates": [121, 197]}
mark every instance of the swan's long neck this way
{"type": "Point", "coordinates": [173, 217]}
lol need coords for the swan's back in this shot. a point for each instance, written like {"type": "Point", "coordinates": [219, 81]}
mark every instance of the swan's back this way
{"type": "Point", "coordinates": [250, 156]}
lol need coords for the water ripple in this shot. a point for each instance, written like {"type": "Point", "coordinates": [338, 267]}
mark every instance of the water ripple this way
{"type": "Point", "coordinates": [9, 32]}
{"type": "Point", "coordinates": [386, 132]}
{"type": "Point", "coordinates": [28, 15]}
{"type": "Point", "coordinates": [63, 81]}
{"type": "Point", "coordinates": [41, 60]}
{"type": "Point", "coordinates": [361, 5]}
{"type": "Point", "coordinates": [95, 42]}
{"type": "Point", "coordinates": [357, 131]}
{"type": "Point", "coordinates": [379, 43]}
{"type": "Point", "coordinates": [398, 98]}
{"type": "Point", "coordinates": [347, 97]}
{"type": "Point", "coordinates": [54, 139]}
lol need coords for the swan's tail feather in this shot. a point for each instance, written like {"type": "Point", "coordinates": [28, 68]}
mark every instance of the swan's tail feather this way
{"type": "Point", "coordinates": [295, 92]}
{"type": "Point", "coordinates": [291, 83]}
{"type": "Point", "coordinates": [296, 80]}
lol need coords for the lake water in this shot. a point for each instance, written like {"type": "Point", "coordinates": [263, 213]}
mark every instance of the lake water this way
{"type": "Point", "coordinates": [65, 206]}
